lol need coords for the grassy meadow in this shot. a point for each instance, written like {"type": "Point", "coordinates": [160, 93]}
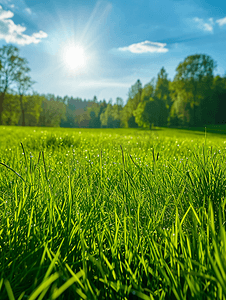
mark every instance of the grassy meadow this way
{"type": "Point", "coordinates": [112, 213]}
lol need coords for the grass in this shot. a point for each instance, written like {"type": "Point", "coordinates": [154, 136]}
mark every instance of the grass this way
{"type": "Point", "coordinates": [112, 214]}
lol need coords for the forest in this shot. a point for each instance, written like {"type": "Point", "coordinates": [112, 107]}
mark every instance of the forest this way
{"type": "Point", "coordinates": [195, 97]}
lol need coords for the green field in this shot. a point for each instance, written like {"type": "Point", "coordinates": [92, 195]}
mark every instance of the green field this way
{"type": "Point", "coordinates": [112, 213]}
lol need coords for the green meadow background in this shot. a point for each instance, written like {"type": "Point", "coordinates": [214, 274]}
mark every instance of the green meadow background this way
{"type": "Point", "coordinates": [112, 213]}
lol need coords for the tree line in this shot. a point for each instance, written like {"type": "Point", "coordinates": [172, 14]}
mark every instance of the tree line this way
{"type": "Point", "coordinates": [195, 97]}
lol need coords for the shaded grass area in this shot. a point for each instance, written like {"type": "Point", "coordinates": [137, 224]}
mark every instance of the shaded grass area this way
{"type": "Point", "coordinates": [209, 129]}
{"type": "Point", "coordinates": [112, 214]}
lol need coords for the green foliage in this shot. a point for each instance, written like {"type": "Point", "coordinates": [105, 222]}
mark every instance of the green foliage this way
{"type": "Point", "coordinates": [32, 109]}
{"type": "Point", "coordinates": [127, 116]}
{"type": "Point", "coordinates": [191, 89]}
{"type": "Point", "coordinates": [11, 110]}
{"type": "Point", "coordinates": [24, 83]}
{"type": "Point", "coordinates": [144, 111]}
{"type": "Point", "coordinates": [146, 114]}
{"type": "Point", "coordinates": [110, 117]}
{"type": "Point", "coordinates": [76, 113]}
{"type": "Point", "coordinates": [9, 65]}
{"type": "Point", "coordinates": [195, 67]}
{"type": "Point", "coordinates": [12, 114]}
{"type": "Point", "coordinates": [162, 95]}
{"type": "Point", "coordinates": [95, 111]}
{"type": "Point", "coordinates": [13, 70]}
{"type": "Point", "coordinates": [218, 103]}
{"type": "Point", "coordinates": [52, 112]}
{"type": "Point", "coordinates": [153, 108]}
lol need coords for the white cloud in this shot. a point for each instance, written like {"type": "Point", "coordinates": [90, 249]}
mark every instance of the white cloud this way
{"type": "Point", "coordinates": [206, 26]}
{"type": "Point", "coordinates": [28, 10]}
{"type": "Point", "coordinates": [146, 47]}
{"type": "Point", "coordinates": [221, 22]}
{"type": "Point", "coordinates": [20, 7]}
{"type": "Point", "coordinates": [40, 35]}
{"type": "Point", "coordinates": [5, 14]}
{"type": "Point", "coordinates": [12, 33]}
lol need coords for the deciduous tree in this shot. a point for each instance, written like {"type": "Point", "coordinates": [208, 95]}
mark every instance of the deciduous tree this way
{"type": "Point", "coordinates": [23, 82]}
{"type": "Point", "coordinates": [191, 85]}
{"type": "Point", "coordinates": [128, 119]}
{"type": "Point", "coordinates": [162, 95]}
{"type": "Point", "coordinates": [9, 66]}
{"type": "Point", "coordinates": [145, 113]}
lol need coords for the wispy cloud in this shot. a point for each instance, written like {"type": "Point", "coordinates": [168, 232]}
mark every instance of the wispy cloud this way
{"type": "Point", "coordinates": [206, 26]}
{"type": "Point", "coordinates": [13, 33]}
{"type": "Point", "coordinates": [28, 10]}
{"type": "Point", "coordinates": [19, 6]}
{"type": "Point", "coordinates": [146, 47]}
{"type": "Point", "coordinates": [221, 22]}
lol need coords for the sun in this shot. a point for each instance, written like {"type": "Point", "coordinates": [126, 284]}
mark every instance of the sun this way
{"type": "Point", "coordinates": [74, 57]}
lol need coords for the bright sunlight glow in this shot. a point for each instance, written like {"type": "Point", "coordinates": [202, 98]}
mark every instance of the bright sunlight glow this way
{"type": "Point", "coordinates": [74, 57]}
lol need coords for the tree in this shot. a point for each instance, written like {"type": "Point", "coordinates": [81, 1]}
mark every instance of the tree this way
{"type": "Point", "coordinates": [162, 95]}
{"type": "Point", "coordinates": [11, 110]}
{"type": "Point", "coordinates": [106, 116]}
{"type": "Point", "coordinates": [219, 100]}
{"type": "Point", "coordinates": [119, 101]}
{"type": "Point", "coordinates": [23, 82]}
{"type": "Point", "coordinates": [128, 119]}
{"type": "Point", "coordinates": [135, 89]}
{"type": "Point", "coordinates": [32, 105]}
{"type": "Point", "coordinates": [94, 113]}
{"type": "Point", "coordinates": [117, 112]}
{"type": "Point", "coordinates": [9, 66]}
{"type": "Point", "coordinates": [191, 85]}
{"type": "Point", "coordinates": [146, 112]}
{"type": "Point", "coordinates": [110, 117]}
{"type": "Point", "coordinates": [52, 112]}
{"type": "Point", "coordinates": [195, 67]}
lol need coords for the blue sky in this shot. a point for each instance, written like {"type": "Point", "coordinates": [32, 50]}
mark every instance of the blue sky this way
{"type": "Point", "coordinates": [121, 41]}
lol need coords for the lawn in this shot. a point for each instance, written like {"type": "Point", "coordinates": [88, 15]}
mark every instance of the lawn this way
{"type": "Point", "coordinates": [112, 213]}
